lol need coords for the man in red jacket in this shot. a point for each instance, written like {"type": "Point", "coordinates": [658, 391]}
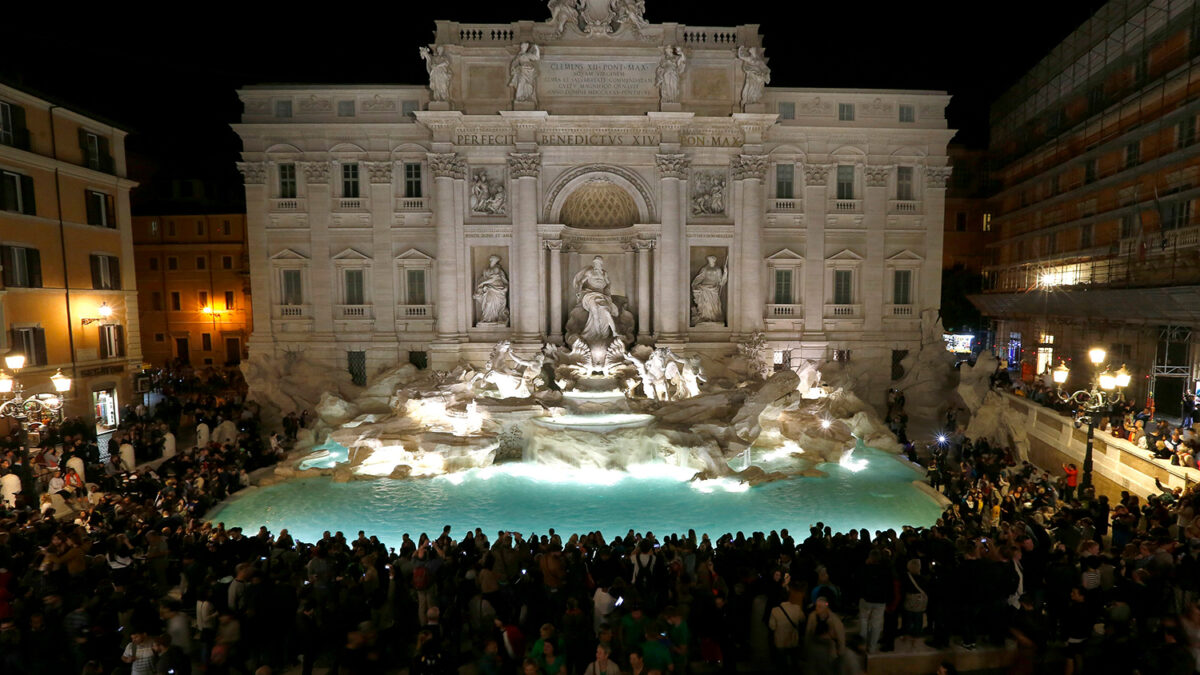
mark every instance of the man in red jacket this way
{"type": "Point", "coordinates": [1072, 481]}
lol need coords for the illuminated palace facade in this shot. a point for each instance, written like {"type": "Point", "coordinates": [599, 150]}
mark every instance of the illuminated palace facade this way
{"type": "Point", "coordinates": [374, 211]}
{"type": "Point", "coordinates": [1096, 240]}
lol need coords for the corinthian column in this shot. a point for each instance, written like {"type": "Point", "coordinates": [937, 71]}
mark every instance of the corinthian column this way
{"type": "Point", "coordinates": [446, 167]}
{"type": "Point", "coordinates": [672, 170]}
{"type": "Point", "coordinates": [643, 247]}
{"type": "Point", "coordinates": [750, 170]}
{"type": "Point", "coordinates": [556, 301]}
{"type": "Point", "coordinates": [524, 168]}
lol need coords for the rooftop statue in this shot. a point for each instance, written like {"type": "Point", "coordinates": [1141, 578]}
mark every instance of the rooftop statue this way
{"type": "Point", "coordinates": [437, 64]}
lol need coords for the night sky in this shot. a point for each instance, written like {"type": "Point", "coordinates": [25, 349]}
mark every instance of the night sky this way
{"type": "Point", "coordinates": [170, 76]}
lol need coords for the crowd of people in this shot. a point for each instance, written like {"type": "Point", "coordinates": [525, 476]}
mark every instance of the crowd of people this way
{"type": "Point", "coordinates": [139, 579]}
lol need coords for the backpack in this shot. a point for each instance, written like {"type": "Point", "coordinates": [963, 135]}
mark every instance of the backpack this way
{"type": "Point", "coordinates": [420, 577]}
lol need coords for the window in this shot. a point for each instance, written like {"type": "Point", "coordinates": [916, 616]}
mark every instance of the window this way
{"type": "Point", "coordinates": [1095, 99]}
{"type": "Point", "coordinates": [415, 286]}
{"type": "Point", "coordinates": [283, 108]}
{"type": "Point", "coordinates": [156, 301]}
{"type": "Point", "coordinates": [843, 290]}
{"type": "Point", "coordinates": [1052, 243]}
{"type": "Point", "coordinates": [199, 228]}
{"type": "Point", "coordinates": [960, 222]}
{"type": "Point", "coordinates": [904, 183]}
{"type": "Point", "coordinates": [1090, 171]}
{"type": "Point", "coordinates": [100, 209]}
{"type": "Point", "coordinates": [206, 342]}
{"type": "Point", "coordinates": [845, 182]}
{"type": "Point", "coordinates": [106, 272]}
{"type": "Point", "coordinates": [22, 266]}
{"type": "Point", "coordinates": [345, 108]}
{"type": "Point", "coordinates": [783, 287]}
{"type": "Point", "coordinates": [201, 262]}
{"type": "Point", "coordinates": [785, 180]}
{"type": "Point", "coordinates": [1045, 354]}
{"type": "Point", "coordinates": [846, 112]}
{"type": "Point", "coordinates": [412, 180]}
{"type": "Point", "coordinates": [292, 291]}
{"type": "Point", "coordinates": [90, 144]}
{"type": "Point", "coordinates": [987, 222]}
{"type": "Point", "coordinates": [356, 363]}
{"type": "Point", "coordinates": [1086, 233]}
{"type": "Point", "coordinates": [12, 126]}
{"type": "Point", "coordinates": [787, 110]}
{"type": "Point", "coordinates": [1141, 69]}
{"type": "Point", "coordinates": [16, 193]}
{"type": "Point", "coordinates": [1185, 132]}
{"type": "Point", "coordinates": [152, 263]}
{"type": "Point", "coordinates": [407, 108]}
{"type": "Point", "coordinates": [172, 263]}
{"type": "Point", "coordinates": [350, 181]}
{"type": "Point", "coordinates": [160, 337]}
{"type": "Point", "coordinates": [226, 262]}
{"type": "Point", "coordinates": [202, 297]}
{"type": "Point", "coordinates": [353, 287]}
{"type": "Point", "coordinates": [112, 341]}
{"type": "Point", "coordinates": [908, 113]}
{"type": "Point", "coordinates": [170, 228]}
{"type": "Point", "coordinates": [1129, 223]}
{"type": "Point", "coordinates": [228, 300]}
{"type": "Point", "coordinates": [175, 302]}
{"type": "Point", "coordinates": [1055, 184]}
{"type": "Point", "coordinates": [32, 343]}
{"type": "Point", "coordinates": [1175, 214]}
{"type": "Point", "coordinates": [226, 228]}
{"type": "Point", "coordinates": [902, 287]}
{"type": "Point", "coordinates": [287, 181]}
{"type": "Point", "coordinates": [1133, 154]}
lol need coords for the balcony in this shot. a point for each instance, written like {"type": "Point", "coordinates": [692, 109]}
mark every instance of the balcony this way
{"type": "Point", "coordinates": [785, 311]}
{"type": "Point", "coordinates": [353, 311]}
{"type": "Point", "coordinates": [903, 206]}
{"type": "Point", "coordinates": [351, 204]}
{"type": "Point", "coordinates": [843, 311]}
{"type": "Point", "coordinates": [900, 311]}
{"type": "Point", "coordinates": [846, 206]}
{"type": "Point", "coordinates": [414, 312]}
{"type": "Point", "coordinates": [408, 204]}
{"type": "Point", "coordinates": [292, 311]}
{"type": "Point", "coordinates": [787, 205]}
{"type": "Point", "coordinates": [287, 204]}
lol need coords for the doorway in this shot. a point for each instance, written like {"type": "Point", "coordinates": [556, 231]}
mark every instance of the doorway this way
{"type": "Point", "coordinates": [181, 350]}
{"type": "Point", "coordinates": [104, 402]}
{"type": "Point", "coordinates": [233, 351]}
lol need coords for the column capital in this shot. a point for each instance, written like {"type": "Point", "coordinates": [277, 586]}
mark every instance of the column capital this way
{"type": "Point", "coordinates": [253, 173]}
{"type": "Point", "coordinates": [673, 166]}
{"type": "Point", "coordinates": [745, 167]}
{"type": "Point", "coordinates": [642, 245]}
{"type": "Point", "coordinates": [877, 174]}
{"type": "Point", "coordinates": [315, 172]}
{"type": "Point", "coordinates": [446, 165]}
{"type": "Point", "coordinates": [524, 164]}
{"type": "Point", "coordinates": [936, 176]}
{"type": "Point", "coordinates": [379, 172]}
{"type": "Point", "coordinates": [553, 245]}
{"type": "Point", "coordinates": [817, 174]}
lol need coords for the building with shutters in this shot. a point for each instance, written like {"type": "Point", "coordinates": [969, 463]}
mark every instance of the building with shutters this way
{"type": "Point", "coordinates": [373, 211]}
{"type": "Point", "coordinates": [69, 298]}
{"type": "Point", "coordinates": [193, 288]}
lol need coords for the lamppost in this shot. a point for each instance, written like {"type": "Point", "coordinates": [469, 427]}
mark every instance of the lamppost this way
{"type": "Point", "coordinates": [1105, 389]}
{"type": "Point", "coordinates": [20, 407]}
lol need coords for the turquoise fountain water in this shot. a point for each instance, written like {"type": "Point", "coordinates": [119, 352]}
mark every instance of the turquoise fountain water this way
{"type": "Point", "coordinates": [869, 489]}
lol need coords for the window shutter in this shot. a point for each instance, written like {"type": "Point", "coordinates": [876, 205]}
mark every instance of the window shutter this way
{"type": "Point", "coordinates": [20, 133]}
{"type": "Point", "coordinates": [27, 198]}
{"type": "Point", "coordinates": [6, 262]}
{"type": "Point", "coordinates": [106, 159]}
{"type": "Point", "coordinates": [83, 144]}
{"type": "Point", "coordinates": [114, 272]}
{"type": "Point", "coordinates": [111, 211]}
{"type": "Point", "coordinates": [8, 193]}
{"type": "Point", "coordinates": [39, 345]}
{"type": "Point", "coordinates": [105, 336]}
{"type": "Point", "coordinates": [33, 261]}
{"type": "Point", "coordinates": [97, 278]}
{"type": "Point", "coordinates": [93, 207]}
{"type": "Point", "coordinates": [120, 336]}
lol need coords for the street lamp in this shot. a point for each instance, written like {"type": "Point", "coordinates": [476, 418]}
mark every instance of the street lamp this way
{"type": "Point", "coordinates": [21, 407]}
{"type": "Point", "coordinates": [1105, 389]}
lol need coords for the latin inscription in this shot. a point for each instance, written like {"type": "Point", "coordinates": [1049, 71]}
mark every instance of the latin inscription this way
{"type": "Point", "coordinates": [597, 79]}
{"type": "Point", "coordinates": [632, 137]}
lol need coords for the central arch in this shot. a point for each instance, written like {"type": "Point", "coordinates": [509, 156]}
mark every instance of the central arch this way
{"type": "Point", "coordinates": [631, 183]}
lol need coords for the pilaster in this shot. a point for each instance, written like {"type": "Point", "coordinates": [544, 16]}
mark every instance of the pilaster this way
{"type": "Point", "coordinates": [447, 168]}
{"type": "Point", "coordinates": [873, 285]}
{"type": "Point", "coordinates": [750, 171]}
{"type": "Point", "coordinates": [524, 169]}
{"type": "Point", "coordinates": [816, 206]}
{"type": "Point", "coordinates": [320, 205]}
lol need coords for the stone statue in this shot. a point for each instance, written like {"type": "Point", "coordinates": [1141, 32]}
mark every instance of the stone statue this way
{"type": "Point", "coordinates": [706, 292]}
{"type": "Point", "coordinates": [513, 376]}
{"type": "Point", "coordinates": [708, 194]}
{"type": "Point", "coordinates": [670, 73]}
{"type": "Point", "coordinates": [593, 295]}
{"type": "Point", "coordinates": [523, 73]}
{"type": "Point", "coordinates": [690, 377]}
{"type": "Point", "coordinates": [437, 64]}
{"type": "Point", "coordinates": [652, 372]}
{"type": "Point", "coordinates": [758, 75]}
{"type": "Point", "coordinates": [563, 13]}
{"type": "Point", "coordinates": [630, 12]}
{"type": "Point", "coordinates": [488, 196]}
{"type": "Point", "coordinates": [492, 293]}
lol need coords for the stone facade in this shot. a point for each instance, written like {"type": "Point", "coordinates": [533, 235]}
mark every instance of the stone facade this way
{"type": "Point", "coordinates": [825, 206]}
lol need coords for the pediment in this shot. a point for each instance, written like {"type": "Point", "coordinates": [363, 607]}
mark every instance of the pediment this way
{"type": "Point", "coordinates": [905, 256]}
{"type": "Point", "coordinates": [786, 255]}
{"type": "Point", "coordinates": [351, 254]}
{"type": "Point", "coordinates": [413, 255]}
{"type": "Point", "coordinates": [844, 254]}
{"type": "Point", "coordinates": [289, 254]}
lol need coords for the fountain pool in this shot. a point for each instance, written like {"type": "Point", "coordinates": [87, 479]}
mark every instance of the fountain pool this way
{"type": "Point", "coordinates": [869, 489]}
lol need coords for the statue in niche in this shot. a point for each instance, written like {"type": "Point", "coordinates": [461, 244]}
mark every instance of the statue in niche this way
{"type": "Point", "coordinates": [563, 13]}
{"type": "Point", "coordinates": [600, 326]}
{"type": "Point", "coordinates": [630, 12]}
{"type": "Point", "coordinates": [708, 194]}
{"type": "Point", "coordinates": [492, 294]}
{"type": "Point", "coordinates": [437, 64]}
{"type": "Point", "coordinates": [523, 73]}
{"type": "Point", "coordinates": [706, 292]}
{"type": "Point", "coordinates": [513, 376]}
{"type": "Point", "coordinates": [758, 75]}
{"type": "Point", "coordinates": [670, 73]}
{"type": "Point", "coordinates": [487, 194]}
{"type": "Point", "coordinates": [592, 294]}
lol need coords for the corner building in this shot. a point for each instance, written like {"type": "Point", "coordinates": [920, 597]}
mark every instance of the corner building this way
{"type": "Point", "coordinates": [372, 211]}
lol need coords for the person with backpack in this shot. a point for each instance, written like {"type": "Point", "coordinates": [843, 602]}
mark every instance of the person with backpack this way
{"type": "Point", "coordinates": [786, 619]}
